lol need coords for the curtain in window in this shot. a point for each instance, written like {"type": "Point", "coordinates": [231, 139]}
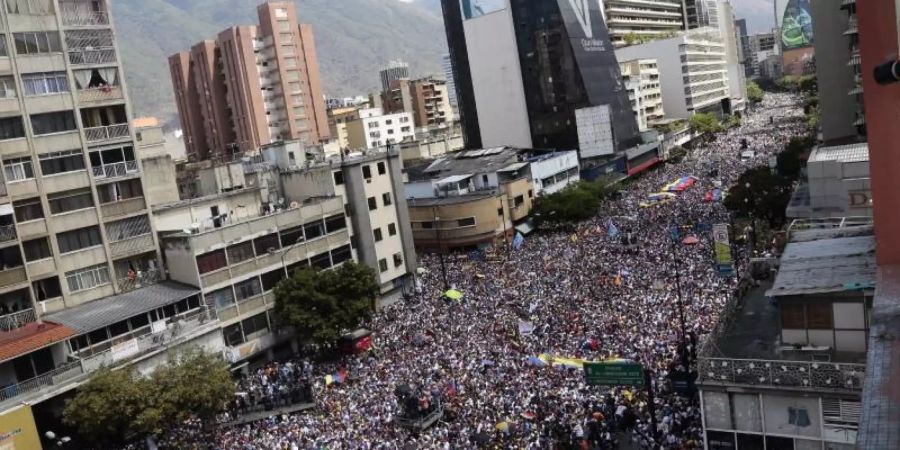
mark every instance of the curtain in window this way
{"type": "Point", "coordinates": [82, 78]}
{"type": "Point", "coordinates": [110, 74]}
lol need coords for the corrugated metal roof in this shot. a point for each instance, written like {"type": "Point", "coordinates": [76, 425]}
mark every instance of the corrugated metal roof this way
{"type": "Point", "coordinates": [107, 311]}
{"type": "Point", "coordinates": [826, 265]}
{"type": "Point", "coordinates": [843, 153]}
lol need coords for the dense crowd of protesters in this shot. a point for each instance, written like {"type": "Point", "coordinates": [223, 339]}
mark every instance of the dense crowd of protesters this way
{"type": "Point", "coordinates": [583, 293]}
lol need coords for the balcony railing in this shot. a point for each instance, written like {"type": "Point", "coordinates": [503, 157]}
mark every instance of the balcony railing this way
{"type": "Point", "coordinates": [93, 56]}
{"type": "Point", "coordinates": [57, 376]}
{"type": "Point", "coordinates": [100, 94]}
{"type": "Point", "coordinates": [17, 319]}
{"type": "Point", "coordinates": [12, 276]}
{"type": "Point", "coordinates": [131, 245]}
{"type": "Point", "coordinates": [140, 279]}
{"type": "Point", "coordinates": [99, 134]}
{"type": "Point", "coordinates": [73, 17]}
{"type": "Point", "coordinates": [7, 233]}
{"type": "Point", "coordinates": [781, 374]}
{"type": "Point", "coordinates": [116, 170]}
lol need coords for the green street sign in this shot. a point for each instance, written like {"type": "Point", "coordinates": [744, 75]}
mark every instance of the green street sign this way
{"type": "Point", "coordinates": [614, 374]}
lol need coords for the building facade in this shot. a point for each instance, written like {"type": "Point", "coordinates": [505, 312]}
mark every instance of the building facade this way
{"type": "Point", "coordinates": [641, 77]}
{"type": "Point", "coordinates": [337, 124]}
{"type": "Point", "coordinates": [701, 13]}
{"type": "Point", "coordinates": [693, 71]}
{"type": "Point", "coordinates": [740, 26]}
{"type": "Point", "coordinates": [426, 98]}
{"type": "Point", "coordinates": [374, 129]}
{"type": "Point", "coordinates": [737, 81]}
{"type": "Point", "coordinates": [251, 86]}
{"type": "Point", "coordinates": [447, 65]}
{"type": "Point", "coordinates": [633, 21]}
{"type": "Point", "coordinates": [395, 70]}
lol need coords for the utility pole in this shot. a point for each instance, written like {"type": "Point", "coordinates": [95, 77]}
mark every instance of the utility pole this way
{"type": "Point", "coordinates": [437, 231]}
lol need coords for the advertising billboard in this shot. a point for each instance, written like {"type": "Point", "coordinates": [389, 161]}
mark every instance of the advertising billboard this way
{"type": "Point", "coordinates": [18, 430]}
{"type": "Point", "coordinates": [595, 137]}
{"type": "Point", "coordinates": [796, 25]}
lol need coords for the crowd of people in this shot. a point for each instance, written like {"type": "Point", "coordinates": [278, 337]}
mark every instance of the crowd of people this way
{"type": "Point", "coordinates": [584, 293]}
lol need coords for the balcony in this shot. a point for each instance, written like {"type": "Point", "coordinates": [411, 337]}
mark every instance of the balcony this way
{"type": "Point", "coordinates": [7, 233]}
{"type": "Point", "coordinates": [115, 170]}
{"type": "Point", "coordinates": [107, 133]}
{"type": "Point", "coordinates": [100, 95]}
{"type": "Point", "coordinates": [852, 27]}
{"type": "Point", "coordinates": [131, 246]}
{"type": "Point", "coordinates": [85, 57]}
{"type": "Point", "coordinates": [72, 17]}
{"type": "Point", "coordinates": [781, 374]}
{"type": "Point", "coordinates": [140, 279]}
{"type": "Point", "coordinates": [123, 207]}
{"type": "Point", "coordinates": [17, 319]}
{"type": "Point", "coordinates": [13, 276]}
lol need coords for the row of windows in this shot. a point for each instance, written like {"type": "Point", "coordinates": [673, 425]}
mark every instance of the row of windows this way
{"type": "Point", "coordinates": [45, 123]}
{"type": "Point", "coordinates": [385, 200]}
{"type": "Point", "coordinates": [31, 209]}
{"type": "Point", "coordinates": [233, 254]}
{"type": "Point", "coordinates": [392, 231]}
{"type": "Point", "coordinates": [35, 43]}
{"type": "Point", "coordinates": [17, 169]}
{"type": "Point", "coordinates": [383, 264]}
{"type": "Point", "coordinates": [458, 223]}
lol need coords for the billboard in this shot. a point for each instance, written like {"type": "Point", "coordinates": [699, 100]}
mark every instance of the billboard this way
{"type": "Point", "coordinates": [595, 137]}
{"type": "Point", "coordinates": [18, 430]}
{"type": "Point", "coordinates": [796, 25]}
{"type": "Point", "coordinates": [723, 249]}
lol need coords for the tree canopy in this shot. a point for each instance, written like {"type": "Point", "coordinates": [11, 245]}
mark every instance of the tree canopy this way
{"type": "Point", "coordinates": [705, 123]}
{"type": "Point", "coordinates": [754, 92]}
{"type": "Point", "coordinates": [117, 405]}
{"type": "Point", "coordinates": [322, 305]}
{"type": "Point", "coordinates": [575, 203]}
{"type": "Point", "coordinates": [766, 197]}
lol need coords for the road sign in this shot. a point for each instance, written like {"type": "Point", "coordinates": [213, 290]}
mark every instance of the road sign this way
{"type": "Point", "coordinates": [626, 373]}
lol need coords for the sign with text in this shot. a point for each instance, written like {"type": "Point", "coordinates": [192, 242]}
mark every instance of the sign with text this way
{"type": "Point", "coordinates": [723, 249]}
{"type": "Point", "coordinates": [625, 373]}
{"type": "Point", "coordinates": [124, 350]}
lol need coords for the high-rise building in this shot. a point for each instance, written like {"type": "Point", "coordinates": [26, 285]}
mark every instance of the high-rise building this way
{"type": "Point", "coordinates": [451, 83]}
{"type": "Point", "coordinates": [251, 86]}
{"type": "Point", "coordinates": [841, 109]}
{"type": "Point", "coordinates": [744, 41]}
{"type": "Point", "coordinates": [426, 99]}
{"type": "Point", "coordinates": [557, 60]}
{"type": "Point", "coordinates": [641, 77]}
{"type": "Point", "coordinates": [737, 81]}
{"type": "Point", "coordinates": [81, 284]}
{"type": "Point", "coordinates": [395, 70]}
{"type": "Point", "coordinates": [693, 71]}
{"type": "Point", "coordinates": [763, 47]}
{"type": "Point", "coordinates": [701, 13]}
{"type": "Point", "coordinates": [633, 21]}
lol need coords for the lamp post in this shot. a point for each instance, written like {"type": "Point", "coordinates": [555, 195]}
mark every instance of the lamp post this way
{"type": "Point", "coordinates": [437, 232]}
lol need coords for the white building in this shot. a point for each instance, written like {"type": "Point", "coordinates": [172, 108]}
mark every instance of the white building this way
{"type": "Point", "coordinates": [693, 71]}
{"type": "Point", "coordinates": [838, 184]}
{"type": "Point", "coordinates": [642, 19]}
{"type": "Point", "coordinates": [451, 82]}
{"type": "Point", "coordinates": [737, 81]}
{"type": "Point", "coordinates": [555, 171]}
{"type": "Point", "coordinates": [641, 77]}
{"type": "Point", "coordinates": [374, 129]}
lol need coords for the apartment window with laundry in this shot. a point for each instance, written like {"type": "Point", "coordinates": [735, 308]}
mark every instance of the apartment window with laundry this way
{"type": "Point", "coordinates": [82, 238]}
{"type": "Point", "coordinates": [61, 162]}
{"type": "Point", "coordinates": [54, 122]}
{"type": "Point", "coordinates": [18, 169]}
{"type": "Point", "coordinates": [71, 200]}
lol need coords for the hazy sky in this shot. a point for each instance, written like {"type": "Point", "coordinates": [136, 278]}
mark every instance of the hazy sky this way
{"type": "Point", "coordinates": [758, 13]}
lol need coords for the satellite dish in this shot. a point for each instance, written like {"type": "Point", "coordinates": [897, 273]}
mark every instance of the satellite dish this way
{"type": "Point", "coordinates": [294, 205]}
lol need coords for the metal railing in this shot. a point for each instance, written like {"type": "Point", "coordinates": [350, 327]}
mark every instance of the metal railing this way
{"type": "Point", "coordinates": [7, 233]}
{"type": "Point", "coordinates": [17, 319]}
{"type": "Point", "coordinates": [74, 17]}
{"type": "Point", "coordinates": [96, 134]}
{"type": "Point", "coordinates": [115, 170]}
{"type": "Point", "coordinates": [100, 94]}
{"type": "Point", "coordinates": [140, 279]}
{"type": "Point", "coordinates": [94, 56]}
{"type": "Point", "coordinates": [62, 373]}
{"type": "Point", "coordinates": [796, 374]}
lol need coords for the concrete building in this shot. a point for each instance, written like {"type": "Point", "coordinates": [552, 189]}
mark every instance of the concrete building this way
{"type": "Point", "coordinates": [837, 184]}
{"type": "Point", "coordinates": [743, 38]}
{"type": "Point", "coordinates": [693, 71]}
{"type": "Point", "coordinates": [641, 77]}
{"type": "Point", "coordinates": [395, 70]}
{"type": "Point", "coordinates": [426, 98]}
{"type": "Point", "coordinates": [553, 172]}
{"type": "Point", "coordinates": [81, 284]}
{"type": "Point", "coordinates": [787, 371]}
{"type": "Point", "coordinates": [337, 124]}
{"type": "Point", "coordinates": [762, 47]}
{"type": "Point", "coordinates": [251, 86]}
{"type": "Point", "coordinates": [737, 82]}
{"type": "Point", "coordinates": [642, 20]}
{"type": "Point", "coordinates": [841, 110]}
{"type": "Point", "coordinates": [701, 13]}
{"type": "Point", "coordinates": [374, 129]}
{"type": "Point", "coordinates": [447, 65]}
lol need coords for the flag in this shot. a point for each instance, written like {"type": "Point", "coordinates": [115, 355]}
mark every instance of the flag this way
{"type": "Point", "coordinates": [611, 229]}
{"type": "Point", "coordinates": [329, 380]}
{"type": "Point", "coordinates": [526, 328]}
{"type": "Point", "coordinates": [574, 238]}
{"type": "Point", "coordinates": [518, 241]}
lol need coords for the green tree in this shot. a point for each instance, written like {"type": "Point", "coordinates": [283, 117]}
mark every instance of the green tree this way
{"type": "Point", "coordinates": [180, 394]}
{"type": "Point", "coordinates": [573, 204]}
{"type": "Point", "coordinates": [791, 161]}
{"type": "Point", "coordinates": [705, 124]}
{"type": "Point", "coordinates": [760, 194]}
{"type": "Point", "coordinates": [322, 305]}
{"type": "Point", "coordinates": [677, 154]}
{"type": "Point", "coordinates": [631, 38]}
{"type": "Point", "coordinates": [754, 92]}
{"type": "Point", "coordinates": [808, 85]}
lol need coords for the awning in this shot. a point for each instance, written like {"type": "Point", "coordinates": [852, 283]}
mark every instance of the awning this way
{"type": "Point", "coordinates": [31, 337]}
{"type": "Point", "coordinates": [513, 167]}
{"type": "Point", "coordinates": [525, 227]}
{"type": "Point", "coordinates": [97, 314]}
{"type": "Point", "coordinates": [643, 166]}
{"type": "Point", "coordinates": [454, 179]}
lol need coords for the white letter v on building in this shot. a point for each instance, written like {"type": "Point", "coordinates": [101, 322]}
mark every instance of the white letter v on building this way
{"type": "Point", "coordinates": [582, 11]}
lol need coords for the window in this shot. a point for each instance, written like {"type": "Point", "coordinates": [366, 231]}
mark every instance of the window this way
{"type": "Point", "coordinates": [427, 225]}
{"type": "Point", "coordinates": [373, 204]}
{"type": "Point", "coordinates": [128, 228]}
{"type": "Point", "coordinates": [404, 129]}
{"type": "Point", "coordinates": [264, 244]}
{"type": "Point", "coordinates": [271, 279]}
{"type": "Point", "coordinates": [382, 265]}
{"type": "Point", "coordinates": [211, 261]}
{"type": "Point", "coordinates": [500, 211]}
{"type": "Point", "coordinates": [322, 261]}
{"type": "Point", "coordinates": [47, 288]}
{"type": "Point", "coordinates": [255, 326]}
{"type": "Point", "coordinates": [792, 316]}
{"type": "Point", "coordinates": [30, 7]}
{"type": "Point", "coordinates": [398, 259]}
{"type": "Point", "coordinates": [404, 119]}
{"type": "Point", "coordinates": [367, 172]}
{"type": "Point", "coordinates": [341, 254]}
{"type": "Point", "coordinates": [519, 200]}
{"type": "Point", "coordinates": [124, 190]}
{"type": "Point", "coordinates": [233, 335]}
{"type": "Point", "coordinates": [55, 122]}
{"type": "Point", "coordinates": [70, 200]}
{"type": "Point", "coordinates": [338, 178]}
{"type": "Point", "coordinates": [28, 209]}
{"type": "Point", "coordinates": [386, 199]}
{"type": "Point", "coordinates": [11, 128]}
{"type": "Point", "coordinates": [36, 249]}
{"type": "Point", "coordinates": [467, 222]}
{"type": "Point", "coordinates": [388, 122]}
{"type": "Point", "coordinates": [484, 180]}
{"type": "Point", "coordinates": [7, 83]}
{"type": "Point", "coordinates": [392, 229]}
{"type": "Point", "coordinates": [3, 50]}
{"type": "Point", "coordinates": [87, 278]}
{"type": "Point", "coordinates": [82, 238]}
{"type": "Point", "coordinates": [313, 230]}
{"type": "Point", "coordinates": [373, 124]}
{"type": "Point", "coordinates": [61, 162]}
{"type": "Point", "coordinates": [17, 169]}
{"type": "Point", "coordinates": [37, 43]}
{"type": "Point", "coordinates": [240, 252]}
{"type": "Point", "coordinates": [335, 223]}
{"type": "Point", "coordinates": [377, 233]}
{"type": "Point", "coordinates": [45, 83]}
{"type": "Point", "coordinates": [247, 288]}
{"type": "Point", "coordinates": [221, 298]}
{"type": "Point", "coordinates": [291, 236]}
{"type": "Point", "coordinates": [381, 168]}
{"type": "Point", "coordinates": [818, 316]}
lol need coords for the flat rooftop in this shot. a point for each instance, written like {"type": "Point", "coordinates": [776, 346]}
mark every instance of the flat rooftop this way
{"type": "Point", "coordinates": [858, 152]}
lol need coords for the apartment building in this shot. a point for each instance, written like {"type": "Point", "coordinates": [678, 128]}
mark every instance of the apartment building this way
{"type": "Point", "coordinates": [762, 47]}
{"type": "Point", "coordinates": [737, 81]}
{"type": "Point", "coordinates": [635, 21]}
{"type": "Point", "coordinates": [250, 86]}
{"type": "Point", "coordinates": [641, 77]}
{"type": "Point", "coordinates": [81, 284]}
{"type": "Point", "coordinates": [693, 71]}
{"type": "Point", "coordinates": [395, 70]}
{"type": "Point", "coordinates": [337, 123]}
{"type": "Point", "coordinates": [374, 129]}
{"type": "Point", "coordinates": [447, 65]}
{"type": "Point", "coordinates": [426, 98]}
{"type": "Point", "coordinates": [701, 13]}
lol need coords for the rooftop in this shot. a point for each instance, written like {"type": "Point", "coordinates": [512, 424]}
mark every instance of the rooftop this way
{"type": "Point", "coordinates": [453, 199]}
{"type": "Point", "coordinates": [858, 152]}
{"type": "Point", "coordinates": [205, 198]}
{"type": "Point", "coordinates": [820, 261]}
{"type": "Point", "coordinates": [116, 308]}
{"type": "Point", "coordinates": [465, 162]}
{"type": "Point", "coordinates": [31, 337]}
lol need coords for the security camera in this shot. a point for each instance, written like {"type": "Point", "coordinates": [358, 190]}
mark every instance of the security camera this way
{"type": "Point", "coordinates": [888, 73]}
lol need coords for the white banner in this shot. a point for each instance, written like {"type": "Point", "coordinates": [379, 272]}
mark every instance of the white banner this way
{"type": "Point", "coordinates": [526, 328]}
{"type": "Point", "coordinates": [125, 350]}
{"type": "Point", "coordinates": [158, 327]}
